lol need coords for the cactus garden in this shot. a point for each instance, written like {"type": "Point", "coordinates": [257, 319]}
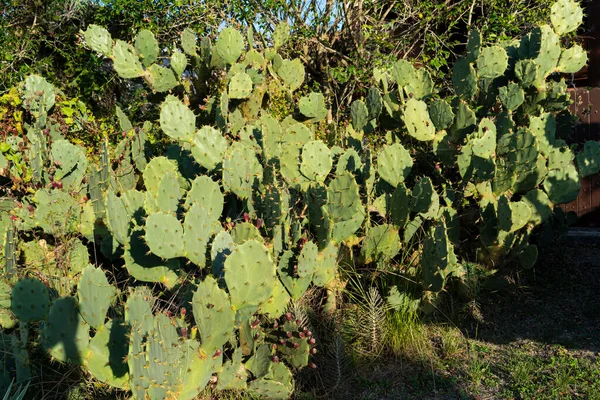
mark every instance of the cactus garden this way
{"type": "Point", "coordinates": [222, 244]}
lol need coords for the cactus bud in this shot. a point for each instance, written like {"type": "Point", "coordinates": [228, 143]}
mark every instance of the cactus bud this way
{"type": "Point", "coordinates": [282, 342]}
{"type": "Point", "coordinates": [289, 316]}
{"type": "Point", "coordinates": [14, 217]}
{"type": "Point", "coordinates": [312, 365]}
{"type": "Point", "coordinates": [313, 351]}
{"type": "Point", "coordinates": [182, 311]}
{"type": "Point", "coordinates": [217, 353]}
{"type": "Point", "coordinates": [255, 324]}
{"type": "Point", "coordinates": [274, 347]}
{"type": "Point", "coordinates": [275, 325]}
{"type": "Point", "coordinates": [275, 359]}
{"type": "Point", "coordinates": [259, 223]}
{"type": "Point", "coordinates": [256, 336]}
{"type": "Point", "coordinates": [298, 322]}
{"type": "Point", "coordinates": [301, 334]}
{"type": "Point", "coordinates": [296, 345]}
{"type": "Point", "coordinates": [289, 334]}
{"type": "Point", "coordinates": [308, 333]}
{"type": "Point", "coordinates": [311, 341]}
{"type": "Point", "coordinates": [246, 217]}
{"type": "Point", "coordinates": [184, 333]}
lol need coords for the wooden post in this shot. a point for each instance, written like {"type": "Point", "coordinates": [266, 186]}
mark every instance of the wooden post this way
{"type": "Point", "coordinates": [593, 27]}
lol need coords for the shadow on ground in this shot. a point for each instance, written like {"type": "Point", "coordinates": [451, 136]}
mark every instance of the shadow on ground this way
{"type": "Point", "coordinates": [557, 303]}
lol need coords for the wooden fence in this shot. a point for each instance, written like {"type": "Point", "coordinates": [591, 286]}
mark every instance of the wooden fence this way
{"type": "Point", "coordinates": [586, 105]}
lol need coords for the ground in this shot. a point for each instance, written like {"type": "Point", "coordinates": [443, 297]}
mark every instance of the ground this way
{"type": "Point", "coordinates": [539, 338]}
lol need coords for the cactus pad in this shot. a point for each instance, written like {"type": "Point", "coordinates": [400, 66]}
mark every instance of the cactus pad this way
{"type": "Point", "coordinates": [95, 296]}
{"type": "Point", "coordinates": [176, 120]}
{"type": "Point", "coordinates": [30, 300]}
{"type": "Point", "coordinates": [213, 315]}
{"type": "Point", "coordinates": [250, 275]}
{"type": "Point", "coordinates": [394, 164]}
{"type": "Point", "coordinates": [164, 235]}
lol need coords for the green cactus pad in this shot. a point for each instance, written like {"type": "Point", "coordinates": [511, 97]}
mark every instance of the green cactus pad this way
{"type": "Point", "coordinates": [549, 51]}
{"type": "Point", "coordinates": [295, 285]}
{"type": "Point", "coordinates": [418, 123]}
{"type": "Point", "coordinates": [316, 161]}
{"type": "Point", "coordinates": [566, 16]}
{"type": "Point", "coordinates": [99, 39]}
{"type": "Point", "coordinates": [292, 73]}
{"type": "Point", "coordinates": [403, 72]}
{"type": "Point", "coordinates": [65, 334]}
{"type": "Point", "coordinates": [560, 155]}
{"type": "Point", "coordinates": [439, 260]}
{"type": "Point", "coordinates": [307, 261]}
{"type": "Point", "coordinates": [544, 130]}
{"type": "Point", "coordinates": [241, 170]}
{"type": "Point", "coordinates": [245, 231]}
{"type": "Point", "coordinates": [374, 103]}
{"type": "Point", "coordinates": [464, 78]}
{"type": "Point", "coordinates": [178, 62]}
{"type": "Point", "coordinates": [562, 185]}
{"type": "Point", "coordinates": [169, 193]}
{"type": "Point", "coordinates": [240, 86]}
{"type": "Point", "coordinates": [394, 164]}
{"type": "Point", "coordinates": [198, 228]}
{"type": "Point", "coordinates": [208, 147]}
{"type": "Point", "coordinates": [425, 199]}
{"type": "Point", "coordinates": [188, 42]}
{"type": "Point", "coordinates": [399, 206]}
{"type": "Point", "coordinates": [155, 170]}
{"type": "Point", "coordinates": [349, 161]}
{"type": "Point", "coordinates": [250, 275]}
{"type": "Point", "coordinates": [527, 72]}
{"type": "Point", "coordinates": [492, 62]}
{"type": "Point", "coordinates": [326, 265]}
{"type": "Point", "coordinates": [441, 114]}
{"type": "Point", "coordinates": [344, 206]}
{"type": "Point", "coordinates": [207, 193]}
{"type": "Point", "coordinates": [359, 114]}
{"type": "Point", "coordinates": [278, 302]}
{"type": "Point", "coordinates": [473, 45]}
{"type": "Point", "coordinates": [588, 160]}
{"type": "Point", "coordinates": [95, 296]}
{"type": "Point", "coordinates": [421, 87]}
{"type": "Point", "coordinates": [138, 313]}
{"type": "Point", "coordinates": [313, 106]}
{"type": "Point", "coordinates": [146, 46]}
{"type": "Point", "coordinates": [572, 60]}
{"type": "Point", "coordinates": [222, 246]}
{"type": "Point", "coordinates": [382, 243]}
{"type": "Point", "coordinates": [107, 352]}
{"type": "Point", "coordinates": [483, 143]}
{"type": "Point", "coordinates": [230, 45]}
{"type": "Point", "coordinates": [126, 61]}
{"type": "Point", "coordinates": [213, 314]}
{"type": "Point", "coordinates": [29, 300]}
{"type": "Point", "coordinates": [160, 78]}
{"type": "Point", "coordinates": [71, 164]}
{"type": "Point", "coordinates": [511, 96]}
{"type": "Point", "coordinates": [164, 235]}
{"type": "Point", "coordinates": [56, 212]}
{"type": "Point", "coordinates": [177, 120]}
{"type": "Point", "coordinates": [145, 266]}
{"type": "Point", "coordinates": [233, 375]}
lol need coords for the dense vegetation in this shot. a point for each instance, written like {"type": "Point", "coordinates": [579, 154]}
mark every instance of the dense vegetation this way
{"type": "Point", "coordinates": [264, 189]}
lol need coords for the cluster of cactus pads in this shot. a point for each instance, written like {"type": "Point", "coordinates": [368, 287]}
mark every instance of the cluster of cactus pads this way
{"type": "Point", "coordinates": [244, 211]}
